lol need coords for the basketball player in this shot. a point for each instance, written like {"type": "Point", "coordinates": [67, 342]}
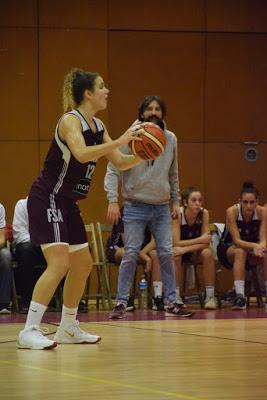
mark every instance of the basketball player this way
{"type": "Point", "coordinates": [54, 218]}
{"type": "Point", "coordinates": [191, 240]}
{"type": "Point", "coordinates": [147, 190]}
{"type": "Point", "coordinates": [243, 241]}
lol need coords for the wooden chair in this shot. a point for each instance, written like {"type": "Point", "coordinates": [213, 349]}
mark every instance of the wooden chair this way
{"type": "Point", "coordinates": [103, 287]}
{"type": "Point", "coordinates": [102, 232]}
{"type": "Point", "coordinates": [252, 280]}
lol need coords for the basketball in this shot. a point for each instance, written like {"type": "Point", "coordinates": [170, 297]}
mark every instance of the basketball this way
{"type": "Point", "coordinates": [153, 142]}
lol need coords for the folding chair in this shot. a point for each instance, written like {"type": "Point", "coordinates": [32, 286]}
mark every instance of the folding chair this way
{"type": "Point", "coordinates": [103, 287]}
{"type": "Point", "coordinates": [102, 232]}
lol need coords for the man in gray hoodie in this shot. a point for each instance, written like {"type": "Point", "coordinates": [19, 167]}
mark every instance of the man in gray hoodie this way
{"type": "Point", "coordinates": [147, 190]}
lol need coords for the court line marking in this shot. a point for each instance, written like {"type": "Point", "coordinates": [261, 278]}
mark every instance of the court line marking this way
{"type": "Point", "coordinates": [105, 381]}
{"type": "Point", "coordinates": [184, 333]}
{"type": "Point", "coordinates": [155, 330]}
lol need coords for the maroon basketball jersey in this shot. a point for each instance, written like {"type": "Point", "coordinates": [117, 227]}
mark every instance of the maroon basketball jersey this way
{"type": "Point", "coordinates": [62, 174]}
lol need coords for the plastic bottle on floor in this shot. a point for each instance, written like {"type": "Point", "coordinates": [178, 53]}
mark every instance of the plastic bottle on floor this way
{"type": "Point", "coordinates": [143, 292]}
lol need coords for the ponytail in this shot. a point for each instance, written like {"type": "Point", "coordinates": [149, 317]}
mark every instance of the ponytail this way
{"type": "Point", "coordinates": [75, 83]}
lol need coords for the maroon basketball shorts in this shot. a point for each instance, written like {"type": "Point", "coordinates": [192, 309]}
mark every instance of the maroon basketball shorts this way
{"type": "Point", "coordinates": [54, 220]}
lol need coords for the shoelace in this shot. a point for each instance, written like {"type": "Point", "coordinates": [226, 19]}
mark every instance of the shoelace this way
{"type": "Point", "coordinates": [76, 327]}
{"type": "Point", "coordinates": [40, 331]}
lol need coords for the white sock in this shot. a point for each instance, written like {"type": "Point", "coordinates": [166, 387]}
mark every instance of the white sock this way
{"type": "Point", "coordinates": [177, 292]}
{"type": "Point", "coordinates": [210, 291]}
{"type": "Point", "coordinates": [157, 286]}
{"type": "Point", "coordinates": [35, 314]}
{"type": "Point", "coordinates": [240, 287]}
{"type": "Point", "coordinates": [68, 315]}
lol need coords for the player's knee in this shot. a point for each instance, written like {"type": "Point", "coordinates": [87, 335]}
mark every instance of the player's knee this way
{"type": "Point", "coordinates": [153, 254]}
{"type": "Point", "coordinates": [59, 271]}
{"type": "Point", "coordinates": [240, 254]}
{"type": "Point", "coordinates": [206, 254]}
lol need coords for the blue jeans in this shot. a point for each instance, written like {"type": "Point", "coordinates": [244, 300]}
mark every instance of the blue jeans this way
{"type": "Point", "coordinates": [136, 217]}
{"type": "Point", "coordinates": [5, 276]}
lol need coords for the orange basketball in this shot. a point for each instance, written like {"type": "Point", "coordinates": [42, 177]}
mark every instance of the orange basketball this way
{"type": "Point", "coordinates": [153, 142]}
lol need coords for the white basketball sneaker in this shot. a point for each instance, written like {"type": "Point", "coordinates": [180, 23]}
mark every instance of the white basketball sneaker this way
{"type": "Point", "coordinates": [33, 338]}
{"type": "Point", "coordinates": [72, 333]}
{"type": "Point", "coordinates": [210, 303]}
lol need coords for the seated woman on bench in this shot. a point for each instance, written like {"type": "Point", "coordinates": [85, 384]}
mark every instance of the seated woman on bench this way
{"type": "Point", "coordinates": [243, 242]}
{"type": "Point", "coordinates": [191, 241]}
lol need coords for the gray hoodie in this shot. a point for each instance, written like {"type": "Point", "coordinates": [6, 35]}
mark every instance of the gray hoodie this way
{"type": "Point", "coordinates": [149, 182]}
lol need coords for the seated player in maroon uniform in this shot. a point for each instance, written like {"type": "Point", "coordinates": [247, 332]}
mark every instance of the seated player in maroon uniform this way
{"type": "Point", "coordinates": [243, 242]}
{"type": "Point", "coordinates": [191, 241]}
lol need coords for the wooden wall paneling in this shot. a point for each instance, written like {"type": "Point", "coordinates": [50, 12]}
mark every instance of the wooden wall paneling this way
{"type": "Point", "coordinates": [170, 65]}
{"type": "Point", "coordinates": [225, 170]}
{"type": "Point", "coordinates": [18, 169]}
{"type": "Point", "coordinates": [258, 102]}
{"type": "Point", "coordinates": [61, 50]}
{"type": "Point", "coordinates": [236, 16]}
{"type": "Point", "coordinates": [73, 14]}
{"type": "Point", "coordinates": [43, 150]}
{"type": "Point", "coordinates": [153, 15]}
{"type": "Point", "coordinates": [17, 13]}
{"type": "Point", "coordinates": [229, 84]}
{"type": "Point", "coordinates": [18, 81]}
{"type": "Point", "coordinates": [190, 165]}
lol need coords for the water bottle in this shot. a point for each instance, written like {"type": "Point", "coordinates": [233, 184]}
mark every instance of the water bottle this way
{"type": "Point", "coordinates": [142, 298]}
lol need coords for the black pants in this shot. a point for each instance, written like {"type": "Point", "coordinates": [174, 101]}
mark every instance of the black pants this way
{"type": "Point", "coordinates": [30, 266]}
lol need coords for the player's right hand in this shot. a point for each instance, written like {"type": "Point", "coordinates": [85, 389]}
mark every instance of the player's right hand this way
{"type": "Point", "coordinates": [113, 214]}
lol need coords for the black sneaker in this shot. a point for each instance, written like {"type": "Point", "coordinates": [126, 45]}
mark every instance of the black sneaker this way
{"type": "Point", "coordinates": [178, 310]}
{"type": "Point", "coordinates": [157, 304]}
{"type": "Point", "coordinates": [239, 302]}
{"type": "Point", "coordinates": [118, 312]}
{"type": "Point", "coordinates": [130, 305]}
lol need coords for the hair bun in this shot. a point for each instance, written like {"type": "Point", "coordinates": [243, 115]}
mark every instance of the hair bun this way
{"type": "Point", "coordinates": [248, 185]}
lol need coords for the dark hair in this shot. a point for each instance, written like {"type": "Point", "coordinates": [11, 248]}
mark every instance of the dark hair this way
{"type": "Point", "coordinates": [75, 83]}
{"type": "Point", "coordinates": [145, 103]}
{"type": "Point", "coordinates": [187, 192]}
{"type": "Point", "coordinates": [156, 120]}
{"type": "Point", "coordinates": [248, 187]}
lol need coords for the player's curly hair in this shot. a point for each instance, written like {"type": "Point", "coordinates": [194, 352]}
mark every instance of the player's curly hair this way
{"type": "Point", "coordinates": [75, 83]}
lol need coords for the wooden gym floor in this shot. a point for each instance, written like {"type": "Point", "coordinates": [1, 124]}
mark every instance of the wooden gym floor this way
{"type": "Point", "coordinates": [215, 355]}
